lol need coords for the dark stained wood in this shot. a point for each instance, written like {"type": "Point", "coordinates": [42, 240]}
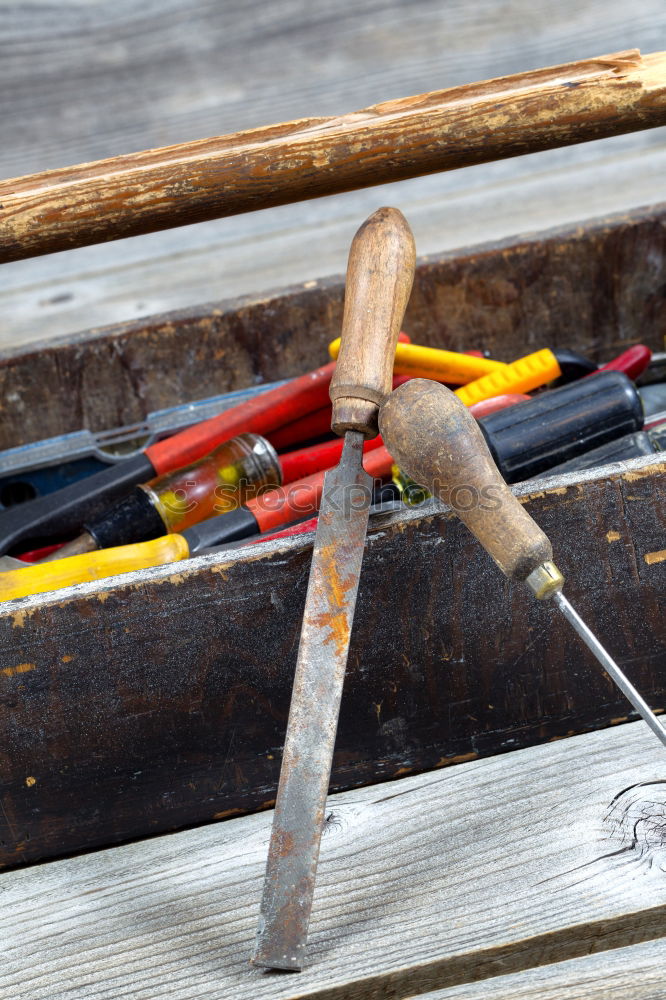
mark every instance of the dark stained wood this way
{"type": "Point", "coordinates": [161, 701]}
{"type": "Point", "coordinates": [585, 287]}
{"type": "Point", "coordinates": [279, 164]}
{"type": "Point", "coordinates": [133, 709]}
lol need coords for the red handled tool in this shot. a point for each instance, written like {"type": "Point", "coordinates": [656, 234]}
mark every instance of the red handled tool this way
{"type": "Point", "coordinates": [276, 509]}
{"type": "Point", "coordinates": [632, 362]}
{"type": "Point", "coordinates": [314, 425]}
{"type": "Point", "coordinates": [232, 474]}
{"type": "Point", "coordinates": [63, 512]}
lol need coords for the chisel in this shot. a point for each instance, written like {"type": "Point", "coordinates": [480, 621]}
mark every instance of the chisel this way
{"type": "Point", "coordinates": [379, 280]}
{"type": "Point", "coordinates": [435, 440]}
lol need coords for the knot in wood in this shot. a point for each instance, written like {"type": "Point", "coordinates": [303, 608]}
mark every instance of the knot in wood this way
{"type": "Point", "coordinates": [636, 819]}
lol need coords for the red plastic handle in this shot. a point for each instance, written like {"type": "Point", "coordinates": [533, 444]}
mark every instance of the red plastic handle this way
{"type": "Point", "coordinates": [306, 461]}
{"type": "Point", "coordinates": [487, 406]}
{"type": "Point", "coordinates": [278, 508]}
{"type": "Point", "coordinates": [261, 414]}
{"type": "Point", "coordinates": [632, 362]}
{"type": "Point", "coordinates": [312, 425]}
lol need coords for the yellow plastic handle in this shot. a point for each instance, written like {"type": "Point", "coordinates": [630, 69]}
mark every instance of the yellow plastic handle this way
{"type": "Point", "coordinates": [436, 364]}
{"type": "Point", "coordinates": [522, 375]}
{"type": "Point", "coordinates": [42, 577]}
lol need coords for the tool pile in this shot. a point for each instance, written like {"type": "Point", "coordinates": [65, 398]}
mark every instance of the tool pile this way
{"type": "Point", "coordinates": [255, 467]}
{"type": "Point", "coordinates": [384, 422]}
{"type": "Point", "coordinates": [458, 427]}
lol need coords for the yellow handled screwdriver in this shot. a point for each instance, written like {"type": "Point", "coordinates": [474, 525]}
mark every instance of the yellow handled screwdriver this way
{"type": "Point", "coordinates": [437, 442]}
{"type": "Point", "coordinates": [479, 378]}
{"type": "Point", "coordinates": [435, 363]}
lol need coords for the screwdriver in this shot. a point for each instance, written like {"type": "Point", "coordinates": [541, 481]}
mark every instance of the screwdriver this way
{"type": "Point", "coordinates": [436, 442]}
{"type": "Point", "coordinates": [271, 511]}
{"type": "Point", "coordinates": [432, 362]}
{"type": "Point", "coordinates": [65, 510]}
{"type": "Point", "coordinates": [232, 473]}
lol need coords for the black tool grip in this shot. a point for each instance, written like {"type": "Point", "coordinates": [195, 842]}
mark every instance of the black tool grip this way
{"type": "Point", "coordinates": [62, 513]}
{"type": "Point", "coordinates": [556, 426]}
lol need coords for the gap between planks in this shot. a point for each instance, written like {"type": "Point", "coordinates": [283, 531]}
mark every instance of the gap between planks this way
{"type": "Point", "coordinates": [632, 973]}
{"type": "Point", "coordinates": [525, 859]}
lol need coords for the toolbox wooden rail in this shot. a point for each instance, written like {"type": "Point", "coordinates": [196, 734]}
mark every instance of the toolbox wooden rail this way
{"type": "Point", "coordinates": [160, 188]}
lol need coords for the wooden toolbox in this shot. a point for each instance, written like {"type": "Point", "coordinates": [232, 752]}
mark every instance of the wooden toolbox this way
{"type": "Point", "coordinates": [159, 699]}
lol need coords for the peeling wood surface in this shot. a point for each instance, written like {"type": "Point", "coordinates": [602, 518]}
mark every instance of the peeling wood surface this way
{"type": "Point", "coordinates": [451, 877]}
{"type": "Point", "coordinates": [59, 69]}
{"type": "Point", "coordinates": [633, 973]}
{"type": "Point", "coordinates": [160, 699]}
{"type": "Point", "coordinates": [137, 193]}
{"type": "Point", "coordinates": [596, 288]}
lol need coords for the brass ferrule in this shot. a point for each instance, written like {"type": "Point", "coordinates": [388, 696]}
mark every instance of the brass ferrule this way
{"type": "Point", "coordinates": [545, 580]}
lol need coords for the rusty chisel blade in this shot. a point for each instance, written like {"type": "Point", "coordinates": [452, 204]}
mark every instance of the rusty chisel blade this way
{"type": "Point", "coordinates": [313, 716]}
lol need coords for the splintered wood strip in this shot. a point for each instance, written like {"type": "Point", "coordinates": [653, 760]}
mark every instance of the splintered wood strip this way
{"type": "Point", "coordinates": [278, 164]}
{"type": "Point", "coordinates": [633, 973]}
{"type": "Point", "coordinates": [525, 859]}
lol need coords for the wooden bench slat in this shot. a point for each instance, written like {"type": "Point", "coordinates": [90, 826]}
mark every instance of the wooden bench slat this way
{"type": "Point", "coordinates": [525, 859]}
{"type": "Point", "coordinates": [633, 973]}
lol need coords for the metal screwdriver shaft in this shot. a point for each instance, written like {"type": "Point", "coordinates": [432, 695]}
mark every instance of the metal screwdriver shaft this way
{"type": "Point", "coordinates": [435, 440]}
{"type": "Point", "coordinates": [610, 666]}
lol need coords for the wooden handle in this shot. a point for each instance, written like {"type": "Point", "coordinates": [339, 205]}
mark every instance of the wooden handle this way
{"type": "Point", "coordinates": [380, 273]}
{"type": "Point", "coordinates": [278, 164]}
{"type": "Point", "coordinates": [435, 440]}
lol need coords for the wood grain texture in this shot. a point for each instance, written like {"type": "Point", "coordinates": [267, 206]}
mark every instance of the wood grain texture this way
{"type": "Point", "coordinates": [48, 297]}
{"type": "Point", "coordinates": [378, 283]}
{"type": "Point", "coordinates": [82, 82]}
{"type": "Point", "coordinates": [634, 973]}
{"type": "Point", "coordinates": [434, 439]}
{"type": "Point", "coordinates": [517, 861]}
{"type": "Point", "coordinates": [596, 288]}
{"type": "Point", "coordinates": [137, 193]}
{"type": "Point", "coordinates": [160, 699]}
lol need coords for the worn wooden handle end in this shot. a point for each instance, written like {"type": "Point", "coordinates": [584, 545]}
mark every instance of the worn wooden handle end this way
{"type": "Point", "coordinates": [435, 440]}
{"type": "Point", "coordinates": [379, 281]}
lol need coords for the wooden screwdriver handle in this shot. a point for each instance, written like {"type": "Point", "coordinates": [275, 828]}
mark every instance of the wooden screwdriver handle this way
{"type": "Point", "coordinates": [380, 272]}
{"type": "Point", "coordinates": [436, 441]}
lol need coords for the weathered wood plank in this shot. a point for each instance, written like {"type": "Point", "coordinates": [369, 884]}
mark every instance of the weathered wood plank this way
{"type": "Point", "coordinates": [450, 877]}
{"type": "Point", "coordinates": [136, 193]}
{"type": "Point", "coordinates": [115, 282]}
{"type": "Point", "coordinates": [59, 69]}
{"type": "Point", "coordinates": [160, 699]}
{"type": "Point", "coordinates": [633, 973]}
{"type": "Point", "coordinates": [586, 288]}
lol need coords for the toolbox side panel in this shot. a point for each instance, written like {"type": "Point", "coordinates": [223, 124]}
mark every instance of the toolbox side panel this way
{"type": "Point", "coordinates": [597, 288]}
{"type": "Point", "coordinates": [152, 705]}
